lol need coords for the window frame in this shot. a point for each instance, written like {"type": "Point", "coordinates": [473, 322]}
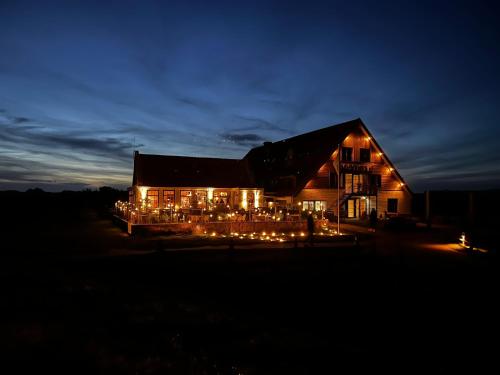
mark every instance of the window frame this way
{"type": "Point", "coordinates": [344, 153]}
{"type": "Point", "coordinates": [367, 152]}
{"type": "Point", "coordinates": [153, 193]}
{"type": "Point", "coordinates": [390, 203]}
{"type": "Point", "coordinates": [165, 197]}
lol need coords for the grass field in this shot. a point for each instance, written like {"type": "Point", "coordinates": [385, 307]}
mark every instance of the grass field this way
{"type": "Point", "coordinates": [394, 304]}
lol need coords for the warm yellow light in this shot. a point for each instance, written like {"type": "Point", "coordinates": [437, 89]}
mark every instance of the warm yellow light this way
{"type": "Point", "coordinates": [401, 184]}
{"type": "Point", "coordinates": [256, 198]}
{"type": "Point", "coordinates": [368, 138]}
{"type": "Point", "coordinates": [213, 234]}
{"type": "Point", "coordinates": [143, 190]}
{"type": "Point", "coordinates": [302, 234]}
{"type": "Point", "coordinates": [462, 239]}
{"type": "Point", "coordinates": [244, 201]}
{"type": "Point", "coordinates": [380, 154]}
{"type": "Point", "coordinates": [273, 234]}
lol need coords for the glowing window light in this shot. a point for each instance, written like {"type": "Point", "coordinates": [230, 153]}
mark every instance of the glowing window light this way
{"type": "Point", "coordinates": [244, 201]}
{"type": "Point", "coordinates": [256, 198]}
{"type": "Point", "coordinates": [143, 190]}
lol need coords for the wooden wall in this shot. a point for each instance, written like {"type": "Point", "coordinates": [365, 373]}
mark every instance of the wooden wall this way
{"type": "Point", "coordinates": [318, 187]}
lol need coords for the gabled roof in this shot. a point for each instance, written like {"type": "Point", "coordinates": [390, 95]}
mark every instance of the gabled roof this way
{"type": "Point", "coordinates": [285, 167]}
{"type": "Point", "coordinates": [281, 168]}
{"type": "Point", "coordinates": [184, 171]}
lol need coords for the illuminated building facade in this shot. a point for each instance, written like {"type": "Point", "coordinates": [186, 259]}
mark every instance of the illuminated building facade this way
{"type": "Point", "coordinates": [340, 167]}
{"type": "Point", "coordinates": [191, 183]}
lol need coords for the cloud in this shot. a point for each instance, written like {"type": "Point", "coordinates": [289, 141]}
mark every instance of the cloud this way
{"type": "Point", "coordinates": [20, 120]}
{"type": "Point", "coordinates": [260, 124]}
{"type": "Point", "coordinates": [110, 147]}
{"type": "Point", "coordinates": [243, 139]}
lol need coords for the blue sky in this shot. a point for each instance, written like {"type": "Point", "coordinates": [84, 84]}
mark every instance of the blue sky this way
{"type": "Point", "coordinates": [83, 83]}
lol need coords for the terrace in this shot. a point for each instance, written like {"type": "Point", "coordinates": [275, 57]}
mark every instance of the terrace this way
{"type": "Point", "coordinates": [252, 222]}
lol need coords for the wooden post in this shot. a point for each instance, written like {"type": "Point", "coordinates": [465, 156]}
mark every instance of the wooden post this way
{"type": "Point", "coordinates": [338, 190]}
{"type": "Point", "coordinates": [428, 208]}
{"type": "Point", "coordinates": [471, 220]}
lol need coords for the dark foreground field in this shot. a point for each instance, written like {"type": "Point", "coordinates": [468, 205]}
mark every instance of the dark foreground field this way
{"type": "Point", "coordinates": [68, 305]}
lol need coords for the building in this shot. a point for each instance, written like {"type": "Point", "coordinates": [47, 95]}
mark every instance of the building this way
{"type": "Point", "coordinates": [191, 183]}
{"type": "Point", "coordinates": [341, 163]}
{"type": "Point", "coordinates": [317, 171]}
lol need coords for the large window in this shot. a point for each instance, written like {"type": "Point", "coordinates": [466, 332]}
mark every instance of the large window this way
{"type": "Point", "coordinates": [347, 153]}
{"type": "Point", "coordinates": [314, 205]}
{"type": "Point", "coordinates": [168, 198]}
{"type": "Point", "coordinates": [201, 199]}
{"type": "Point", "coordinates": [152, 198]}
{"type": "Point", "coordinates": [354, 183]}
{"type": "Point", "coordinates": [220, 198]}
{"type": "Point", "coordinates": [186, 198]}
{"type": "Point", "coordinates": [392, 205]}
{"type": "Point", "coordinates": [364, 155]}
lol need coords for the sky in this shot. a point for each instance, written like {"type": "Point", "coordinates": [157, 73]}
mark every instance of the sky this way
{"type": "Point", "coordinates": [84, 83]}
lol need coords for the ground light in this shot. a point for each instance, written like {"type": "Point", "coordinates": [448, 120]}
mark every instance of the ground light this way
{"type": "Point", "coordinates": [272, 237]}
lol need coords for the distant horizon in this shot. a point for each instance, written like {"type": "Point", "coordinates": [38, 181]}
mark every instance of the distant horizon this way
{"type": "Point", "coordinates": [126, 188]}
{"type": "Point", "coordinates": [84, 83]}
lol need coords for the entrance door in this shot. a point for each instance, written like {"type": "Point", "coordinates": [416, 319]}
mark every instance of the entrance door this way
{"type": "Point", "coordinates": [352, 208]}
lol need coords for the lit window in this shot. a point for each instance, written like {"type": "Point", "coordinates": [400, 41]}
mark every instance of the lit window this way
{"type": "Point", "coordinates": [201, 199]}
{"type": "Point", "coordinates": [186, 198]}
{"type": "Point", "coordinates": [168, 198]}
{"type": "Point", "coordinates": [152, 198]}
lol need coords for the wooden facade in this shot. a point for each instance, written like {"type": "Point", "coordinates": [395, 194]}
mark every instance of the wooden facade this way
{"type": "Point", "coordinates": [367, 180]}
{"type": "Point", "coordinates": [314, 171]}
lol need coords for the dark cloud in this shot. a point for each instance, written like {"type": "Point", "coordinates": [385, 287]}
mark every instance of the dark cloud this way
{"type": "Point", "coordinates": [20, 120]}
{"type": "Point", "coordinates": [250, 140]}
{"type": "Point", "coordinates": [111, 147]}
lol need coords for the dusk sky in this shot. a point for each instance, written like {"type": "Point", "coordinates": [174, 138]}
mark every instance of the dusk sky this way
{"type": "Point", "coordinates": [82, 83]}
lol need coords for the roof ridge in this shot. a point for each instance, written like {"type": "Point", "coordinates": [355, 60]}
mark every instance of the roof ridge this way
{"type": "Point", "coordinates": [188, 157]}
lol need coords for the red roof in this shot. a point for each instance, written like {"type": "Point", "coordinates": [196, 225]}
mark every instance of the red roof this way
{"type": "Point", "coordinates": [179, 171]}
